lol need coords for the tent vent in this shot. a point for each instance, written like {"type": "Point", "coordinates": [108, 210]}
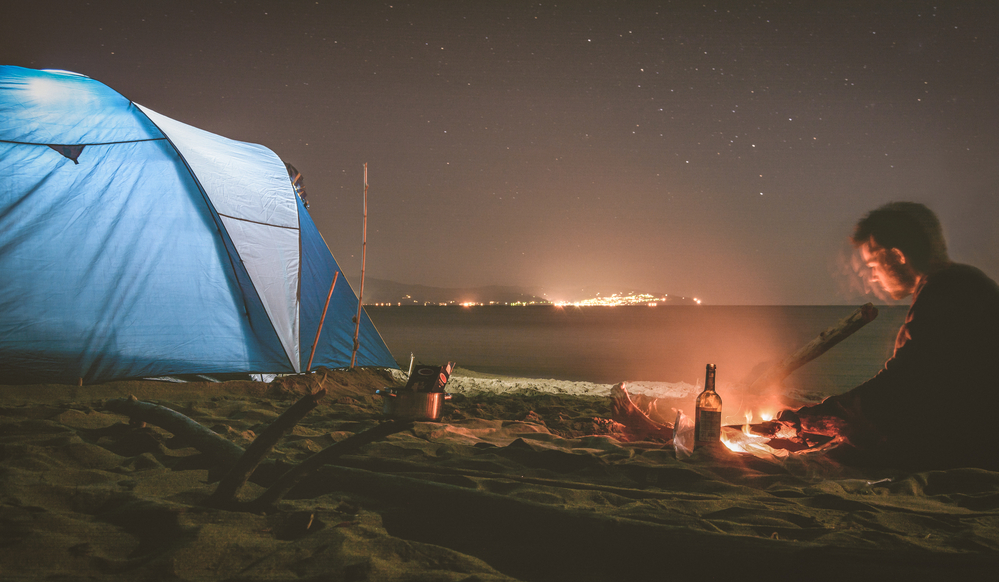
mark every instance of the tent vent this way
{"type": "Point", "coordinates": [70, 151]}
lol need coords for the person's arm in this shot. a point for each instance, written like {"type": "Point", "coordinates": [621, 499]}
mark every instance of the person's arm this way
{"type": "Point", "coordinates": [873, 405]}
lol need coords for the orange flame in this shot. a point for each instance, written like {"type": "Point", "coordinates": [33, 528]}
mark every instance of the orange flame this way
{"type": "Point", "coordinates": [744, 441]}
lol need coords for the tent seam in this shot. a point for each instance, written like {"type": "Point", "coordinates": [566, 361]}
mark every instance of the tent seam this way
{"type": "Point", "coordinates": [258, 222]}
{"type": "Point", "coordinates": [31, 143]}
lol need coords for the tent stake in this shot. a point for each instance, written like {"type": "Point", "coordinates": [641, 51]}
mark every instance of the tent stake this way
{"type": "Point", "coordinates": [364, 251]}
{"type": "Point", "coordinates": [321, 320]}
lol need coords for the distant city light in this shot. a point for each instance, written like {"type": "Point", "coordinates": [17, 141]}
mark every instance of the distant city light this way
{"type": "Point", "coordinates": [615, 299]}
{"type": "Point", "coordinates": [618, 299]}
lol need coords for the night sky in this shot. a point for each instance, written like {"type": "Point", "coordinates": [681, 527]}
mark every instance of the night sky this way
{"type": "Point", "coordinates": [708, 149]}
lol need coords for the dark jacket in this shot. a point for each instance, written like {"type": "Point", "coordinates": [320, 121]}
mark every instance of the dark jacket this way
{"type": "Point", "coordinates": [936, 401]}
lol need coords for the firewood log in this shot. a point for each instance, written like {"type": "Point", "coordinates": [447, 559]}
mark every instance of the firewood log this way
{"type": "Point", "coordinates": [226, 453]}
{"type": "Point", "coordinates": [815, 348]}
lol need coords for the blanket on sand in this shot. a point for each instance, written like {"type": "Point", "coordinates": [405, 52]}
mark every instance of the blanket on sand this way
{"type": "Point", "coordinates": [528, 484]}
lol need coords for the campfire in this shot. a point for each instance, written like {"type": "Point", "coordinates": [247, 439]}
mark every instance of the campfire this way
{"type": "Point", "coordinates": [642, 417]}
{"type": "Point", "coordinates": [744, 441]}
{"type": "Point", "coordinates": [770, 439]}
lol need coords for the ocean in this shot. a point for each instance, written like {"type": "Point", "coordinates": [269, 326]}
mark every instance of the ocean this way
{"type": "Point", "coordinates": [639, 343]}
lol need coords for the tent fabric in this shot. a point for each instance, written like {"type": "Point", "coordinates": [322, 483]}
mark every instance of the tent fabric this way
{"type": "Point", "coordinates": [317, 275]}
{"type": "Point", "coordinates": [162, 249]}
{"type": "Point", "coordinates": [257, 207]}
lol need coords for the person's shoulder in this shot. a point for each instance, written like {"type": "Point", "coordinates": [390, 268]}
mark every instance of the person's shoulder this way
{"type": "Point", "coordinates": [961, 273]}
{"type": "Point", "coordinates": [958, 278]}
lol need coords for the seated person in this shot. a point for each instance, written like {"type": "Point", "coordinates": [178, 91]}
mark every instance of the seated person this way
{"type": "Point", "coordinates": [934, 403]}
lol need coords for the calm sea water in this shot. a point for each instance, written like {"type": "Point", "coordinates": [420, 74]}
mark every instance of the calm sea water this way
{"type": "Point", "coordinates": [665, 344]}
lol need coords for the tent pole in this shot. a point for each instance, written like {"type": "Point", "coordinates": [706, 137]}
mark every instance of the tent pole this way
{"type": "Point", "coordinates": [364, 251]}
{"type": "Point", "coordinates": [321, 320]}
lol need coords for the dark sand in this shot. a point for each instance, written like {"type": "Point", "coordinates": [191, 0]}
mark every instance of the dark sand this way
{"type": "Point", "coordinates": [529, 482]}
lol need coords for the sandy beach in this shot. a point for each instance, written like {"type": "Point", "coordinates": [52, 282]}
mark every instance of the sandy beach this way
{"type": "Point", "coordinates": [520, 480]}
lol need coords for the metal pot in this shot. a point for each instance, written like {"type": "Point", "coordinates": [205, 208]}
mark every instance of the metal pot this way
{"type": "Point", "coordinates": [410, 405]}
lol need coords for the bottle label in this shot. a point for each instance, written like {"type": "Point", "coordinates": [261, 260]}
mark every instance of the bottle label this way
{"type": "Point", "coordinates": [707, 426]}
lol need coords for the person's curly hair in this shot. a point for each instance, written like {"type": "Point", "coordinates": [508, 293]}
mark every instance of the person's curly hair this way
{"type": "Point", "coordinates": [907, 226]}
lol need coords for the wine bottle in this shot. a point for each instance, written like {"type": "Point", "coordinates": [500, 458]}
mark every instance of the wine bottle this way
{"type": "Point", "coordinates": [707, 413]}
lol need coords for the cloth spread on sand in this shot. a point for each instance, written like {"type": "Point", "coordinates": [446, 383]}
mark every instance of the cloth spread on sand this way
{"type": "Point", "coordinates": [518, 486]}
{"type": "Point", "coordinates": [934, 403]}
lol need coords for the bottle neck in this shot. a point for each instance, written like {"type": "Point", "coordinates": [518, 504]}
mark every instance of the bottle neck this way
{"type": "Point", "coordinates": [709, 378]}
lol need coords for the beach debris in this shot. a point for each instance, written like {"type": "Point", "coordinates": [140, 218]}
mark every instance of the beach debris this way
{"type": "Point", "coordinates": [637, 424]}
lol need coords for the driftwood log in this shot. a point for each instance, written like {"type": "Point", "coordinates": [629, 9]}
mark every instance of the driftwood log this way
{"type": "Point", "coordinates": [314, 462]}
{"type": "Point", "coordinates": [815, 348]}
{"type": "Point", "coordinates": [241, 464]}
{"type": "Point", "coordinates": [258, 449]}
{"type": "Point", "coordinates": [226, 453]}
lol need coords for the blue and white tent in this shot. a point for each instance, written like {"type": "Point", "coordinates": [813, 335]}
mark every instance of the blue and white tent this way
{"type": "Point", "coordinates": [133, 245]}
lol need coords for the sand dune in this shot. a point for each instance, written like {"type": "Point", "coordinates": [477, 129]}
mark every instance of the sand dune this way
{"type": "Point", "coordinates": [521, 480]}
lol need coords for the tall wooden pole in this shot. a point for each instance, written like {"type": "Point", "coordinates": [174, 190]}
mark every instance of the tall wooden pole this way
{"type": "Point", "coordinates": [364, 252]}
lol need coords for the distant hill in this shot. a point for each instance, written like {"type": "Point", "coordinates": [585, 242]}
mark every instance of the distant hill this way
{"type": "Point", "coordinates": [385, 291]}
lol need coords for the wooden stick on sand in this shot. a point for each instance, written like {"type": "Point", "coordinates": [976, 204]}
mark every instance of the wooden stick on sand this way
{"type": "Point", "coordinates": [296, 474]}
{"type": "Point", "coordinates": [258, 449]}
{"type": "Point", "coordinates": [240, 463]}
{"type": "Point", "coordinates": [226, 453]}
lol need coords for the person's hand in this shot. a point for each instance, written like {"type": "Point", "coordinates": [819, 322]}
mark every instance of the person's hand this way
{"type": "Point", "coordinates": [790, 418]}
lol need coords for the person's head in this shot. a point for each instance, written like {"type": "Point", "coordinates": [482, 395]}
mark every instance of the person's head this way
{"type": "Point", "coordinates": [900, 242]}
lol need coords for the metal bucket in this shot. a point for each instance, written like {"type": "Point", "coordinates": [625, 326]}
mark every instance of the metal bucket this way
{"type": "Point", "coordinates": [413, 405]}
